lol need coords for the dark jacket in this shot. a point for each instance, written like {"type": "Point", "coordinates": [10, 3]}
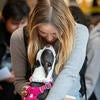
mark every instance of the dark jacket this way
{"type": "Point", "coordinates": [4, 45]}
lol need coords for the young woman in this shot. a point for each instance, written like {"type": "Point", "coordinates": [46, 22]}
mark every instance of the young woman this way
{"type": "Point", "coordinates": [51, 22]}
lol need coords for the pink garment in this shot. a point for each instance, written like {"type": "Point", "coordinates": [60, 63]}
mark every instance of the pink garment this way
{"type": "Point", "coordinates": [33, 92]}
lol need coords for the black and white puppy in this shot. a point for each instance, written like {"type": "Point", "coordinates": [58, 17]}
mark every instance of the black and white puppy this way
{"type": "Point", "coordinates": [43, 70]}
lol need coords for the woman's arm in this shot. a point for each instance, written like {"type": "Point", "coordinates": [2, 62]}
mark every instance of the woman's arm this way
{"type": "Point", "coordinates": [70, 73]}
{"type": "Point", "coordinates": [18, 57]}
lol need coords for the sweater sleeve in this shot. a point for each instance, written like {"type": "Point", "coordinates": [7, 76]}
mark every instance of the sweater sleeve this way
{"type": "Point", "coordinates": [70, 73]}
{"type": "Point", "coordinates": [18, 58]}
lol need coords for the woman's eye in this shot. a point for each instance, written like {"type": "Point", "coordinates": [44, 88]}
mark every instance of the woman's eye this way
{"type": "Point", "coordinates": [54, 34]}
{"type": "Point", "coordinates": [41, 32]}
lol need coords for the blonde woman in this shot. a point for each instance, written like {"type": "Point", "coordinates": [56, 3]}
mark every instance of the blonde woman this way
{"type": "Point", "coordinates": [51, 22]}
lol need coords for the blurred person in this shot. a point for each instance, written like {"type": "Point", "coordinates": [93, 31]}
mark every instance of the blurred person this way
{"type": "Point", "coordinates": [51, 23]}
{"type": "Point", "coordinates": [14, 15]}
{"type": "Point", "coordinates": [92, 76]}
{"type": "Point", "coordinates": [78, 14]}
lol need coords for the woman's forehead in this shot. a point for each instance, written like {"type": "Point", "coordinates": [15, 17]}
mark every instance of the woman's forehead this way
{"type": "Point", "coordinates": [48, 28]}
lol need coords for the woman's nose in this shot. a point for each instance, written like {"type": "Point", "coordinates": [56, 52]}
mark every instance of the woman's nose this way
{"type": "Point", "coordinates": [49, 37]}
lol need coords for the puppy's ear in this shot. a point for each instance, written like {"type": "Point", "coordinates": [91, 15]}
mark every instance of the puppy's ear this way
{"type": "Point", "coordinates": [56, 46]}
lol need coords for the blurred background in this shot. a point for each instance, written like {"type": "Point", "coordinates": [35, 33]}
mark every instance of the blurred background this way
{"type": "Point", "coordinates": [91, 8]}
{"type": "Point", "coordinates": [88, 6]}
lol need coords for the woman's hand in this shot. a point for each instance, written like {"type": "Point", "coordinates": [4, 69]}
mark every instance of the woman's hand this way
{"type": "Point", "coordinates": [24, 91]}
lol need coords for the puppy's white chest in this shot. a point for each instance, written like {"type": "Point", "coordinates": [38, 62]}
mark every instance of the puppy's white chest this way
{"type": "Point", "coordinates": [39, 74]}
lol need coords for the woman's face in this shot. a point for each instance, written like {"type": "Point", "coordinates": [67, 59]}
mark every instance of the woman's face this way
{"type": "Point", "coordinates": [48, 32]}
{"type": "Point", "coordinates": [12, 25]}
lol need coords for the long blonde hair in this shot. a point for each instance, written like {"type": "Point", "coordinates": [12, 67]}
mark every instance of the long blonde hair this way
{"type": "Point", "coordinates": [56, 13]}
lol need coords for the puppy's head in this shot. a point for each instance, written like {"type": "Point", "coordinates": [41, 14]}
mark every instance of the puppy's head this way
{"type": "Point", "coordinates": [44, 66]}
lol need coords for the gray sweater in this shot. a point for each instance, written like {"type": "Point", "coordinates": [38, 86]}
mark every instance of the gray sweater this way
{"type": "Point", "coordinates": [67, 82]}
{"type": "Point", "coordinates": [93, 63]}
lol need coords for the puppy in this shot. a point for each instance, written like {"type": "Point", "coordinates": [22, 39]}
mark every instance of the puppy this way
{"type": "Point", "coordinates": [42, 76]}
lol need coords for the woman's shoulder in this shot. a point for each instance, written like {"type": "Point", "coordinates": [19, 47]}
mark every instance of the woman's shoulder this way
{"type": "Point", "coordinates": [17, 35]}
{"type": "Point", "coordinates": [81, 27]}
{"type": "Point", "coordinates": [17, 39]}
{"type": "Point", "coordinates": [81, 30]}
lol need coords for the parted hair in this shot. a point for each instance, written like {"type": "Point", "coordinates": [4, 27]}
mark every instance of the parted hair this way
{"type": "Point", "coordinates": [57, 13]}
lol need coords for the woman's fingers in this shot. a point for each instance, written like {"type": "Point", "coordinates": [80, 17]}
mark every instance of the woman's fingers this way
{"type": "Point", "coordinates": [24, 91]}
